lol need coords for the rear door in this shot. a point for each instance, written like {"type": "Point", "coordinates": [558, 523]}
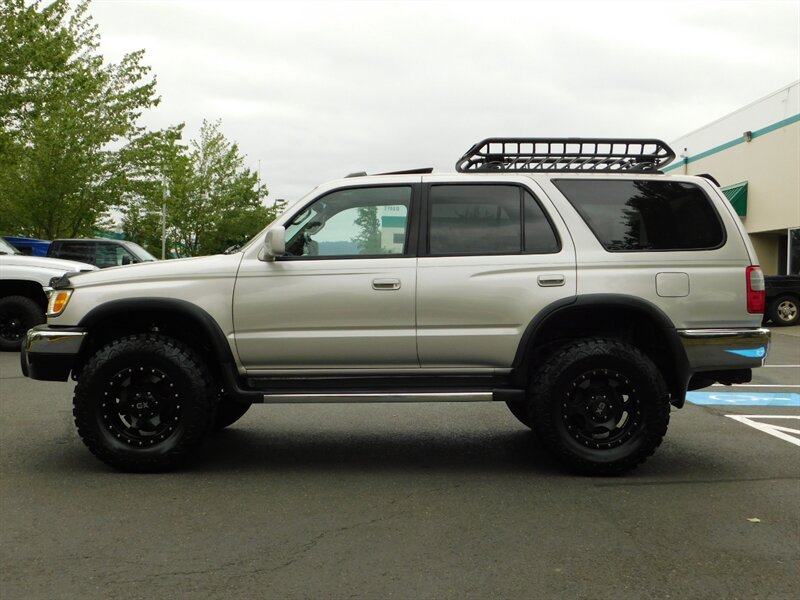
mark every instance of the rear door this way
{"type": "Point", "coordinates": [493, 254]}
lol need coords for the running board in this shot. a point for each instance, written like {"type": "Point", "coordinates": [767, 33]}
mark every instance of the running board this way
{"type": "Point", "coordinates": [330, 398]}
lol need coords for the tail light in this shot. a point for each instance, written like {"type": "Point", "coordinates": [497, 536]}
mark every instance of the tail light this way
{"type": "Point", "coordinates": [756, 296]}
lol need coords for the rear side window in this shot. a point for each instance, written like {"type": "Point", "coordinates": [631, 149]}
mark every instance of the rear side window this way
{"type": "Point", "coordinates": [488, 219]}
{"type": "Point", "coordinates": [80, 251]}
{"type": "Point", "coordinates": [642, 215]}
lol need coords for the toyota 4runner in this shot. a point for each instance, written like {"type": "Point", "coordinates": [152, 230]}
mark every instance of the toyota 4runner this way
{"type": "Point", "coordinates": [568, 278]}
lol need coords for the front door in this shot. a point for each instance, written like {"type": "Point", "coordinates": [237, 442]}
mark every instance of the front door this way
{"type": "Point", "coordinates": [343, 296]}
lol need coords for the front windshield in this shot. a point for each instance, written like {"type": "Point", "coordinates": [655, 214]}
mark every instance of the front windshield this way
{"type": "Point", "coordinates": [140, 252]}
{"type": "Point", "coordinates": [6, 248]}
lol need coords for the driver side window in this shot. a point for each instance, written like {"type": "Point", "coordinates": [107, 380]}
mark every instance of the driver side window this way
{"type": "Point", "coordinates": [353, 222]}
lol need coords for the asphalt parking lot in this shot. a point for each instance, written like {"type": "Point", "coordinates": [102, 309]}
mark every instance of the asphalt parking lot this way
{"type": "Point", "coordinates": [407, 501]}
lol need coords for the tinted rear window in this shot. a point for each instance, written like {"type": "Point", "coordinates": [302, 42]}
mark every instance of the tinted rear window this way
{"type": "Point", "coordinates": [488, 219]}
{"type": "Point", "coordinates": [632, 215]}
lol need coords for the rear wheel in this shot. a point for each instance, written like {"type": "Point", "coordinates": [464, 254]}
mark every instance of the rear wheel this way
{"type": "Point", "coordinates": [144, 403]}
{"type": "Point", "coordinates": [17, 315]}
{"type": "Point", "coordinates": [784, 311]}
{"type": "Point", "coordinates": [601, 406]}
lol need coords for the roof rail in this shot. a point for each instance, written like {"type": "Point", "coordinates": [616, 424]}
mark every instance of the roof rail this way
{"type": "Point", "coordinates": [423, 171]}
{"type": "Point", "coordinates": [522, 155]}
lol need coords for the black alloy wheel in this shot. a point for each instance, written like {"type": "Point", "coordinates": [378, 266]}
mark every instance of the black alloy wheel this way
{"type": "Point", "coordinates": [141, 406]}
{"type": "Point", "coordinates": [602, 409]}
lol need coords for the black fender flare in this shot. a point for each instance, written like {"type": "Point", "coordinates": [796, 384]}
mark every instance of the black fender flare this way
{"type": "Point", "coordinates": [681, 367]}
{"type": "Point", "coordinates": [205, 321]}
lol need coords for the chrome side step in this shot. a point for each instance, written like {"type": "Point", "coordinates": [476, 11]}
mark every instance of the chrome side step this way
{"type": "Point", "coordinates": [306, 398]}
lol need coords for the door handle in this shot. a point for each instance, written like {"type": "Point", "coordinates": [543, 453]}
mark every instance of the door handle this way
{"type": "Point", "coordinates": [385, 284]}
{"type": "Point", "coordinates": [551, 280]}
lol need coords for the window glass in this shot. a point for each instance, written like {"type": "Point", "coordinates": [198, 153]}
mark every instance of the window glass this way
{"type": "Point", "coordinates": [112, 255]}
{"type": "Point", "coordinates": [354, 222]}
{"type": "Point", "coordinates": [641, 215]}
{"type": "Point", "coordinates": [80, 251]}
{"type": "Point", "coordinates": [475, 219]}
{"type": "Point", "coordinates": [539, 235]}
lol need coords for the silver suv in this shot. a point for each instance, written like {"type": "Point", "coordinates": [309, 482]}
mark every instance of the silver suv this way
{"type": "Point", "coordinates": [568, 278]}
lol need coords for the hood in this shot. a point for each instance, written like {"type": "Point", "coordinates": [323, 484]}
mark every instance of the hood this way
{"type": "Point", "coordinates": [42, 262]}
{"type": "Point", "coordinates": [201, 267]}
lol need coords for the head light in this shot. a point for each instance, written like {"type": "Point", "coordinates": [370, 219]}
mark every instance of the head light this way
{"type": "Point", "coordinates": [57, 301]}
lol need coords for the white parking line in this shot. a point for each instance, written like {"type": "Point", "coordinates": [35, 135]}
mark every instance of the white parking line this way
{"type": "Point", "coordinates": [780, 367]}
{"type": "Point", "coordinates": [787, 434]}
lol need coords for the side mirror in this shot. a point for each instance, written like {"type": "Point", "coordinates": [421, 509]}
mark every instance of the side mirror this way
{"type": "Point", "coordinates": [126, 260]}
{"type": "Point", "coordinates": [274, 243]}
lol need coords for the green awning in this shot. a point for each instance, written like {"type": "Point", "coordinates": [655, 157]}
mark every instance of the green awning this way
{"type": "Point", "coordinates": [737, 196]}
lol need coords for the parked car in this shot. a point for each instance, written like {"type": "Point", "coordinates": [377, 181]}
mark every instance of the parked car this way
{"type": "Point", "coordinates": [100, 251]}
{"type": "Point", "coordinates": [23, 300]}
{"type": "Point", "coordinates": [29, 246]}
{"type": "Point", "coordinates": [569, 278]}
{"type": "Point", "coordinates": [783, 300]}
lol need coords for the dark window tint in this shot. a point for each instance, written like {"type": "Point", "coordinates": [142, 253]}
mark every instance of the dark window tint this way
{"type": "Point", "coordinates": [475, 219]}
{"type": "Point", "coordinates": [488, 219]}
{"type": "Point", "coordinates": [539, 235]}
{"type": "Point", "coordinates": [630, 215]}
{"type": "Point", "coordinates": [80, 251]}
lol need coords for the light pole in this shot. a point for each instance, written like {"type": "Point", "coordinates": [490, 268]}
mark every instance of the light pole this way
{"type": "Point", "coordinates": [165, 195]}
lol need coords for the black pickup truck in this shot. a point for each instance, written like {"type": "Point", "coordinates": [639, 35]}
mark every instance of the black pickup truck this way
{"type": "Point", "coordinates": [783, 300]}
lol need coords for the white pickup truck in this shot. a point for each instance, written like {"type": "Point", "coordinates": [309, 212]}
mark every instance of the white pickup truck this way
{"type": "Point", "coordinates": [22, 298]}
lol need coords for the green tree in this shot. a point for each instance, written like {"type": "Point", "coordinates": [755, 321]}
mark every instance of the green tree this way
{"type": "Point", "coordinates": [212, 201]}
{"type": "Point", "coordinates": [155, 164]}
{"type": "Point", "coordinates": [369, 235]}
{"type": "Point", "coordinates": [64, 115]}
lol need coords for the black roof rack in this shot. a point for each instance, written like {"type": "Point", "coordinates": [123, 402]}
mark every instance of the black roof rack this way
{"type": "Point", "coordinates": [522, 155]}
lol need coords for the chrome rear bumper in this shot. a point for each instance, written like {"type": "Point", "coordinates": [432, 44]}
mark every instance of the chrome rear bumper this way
{"type": "Point", "coordinates": [721, 349]}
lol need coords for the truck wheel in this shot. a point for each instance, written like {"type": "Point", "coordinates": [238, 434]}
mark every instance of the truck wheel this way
{"type": "Point", "coordinates": [228, 412]}
{"type": "Point", "coordinates": [784, 311]}
{"type": "Point", "coordinates": [17, 315]}
{"type": "Point", "coordinates": [601, 406]}
{"type": "Point", "coordinates": [144, 403]}
{"type": "Point", "coordinates": [520, 411]}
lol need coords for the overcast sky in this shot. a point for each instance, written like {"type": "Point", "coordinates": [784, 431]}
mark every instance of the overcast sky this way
{"type": "Point", "coordinates": [316, 90]}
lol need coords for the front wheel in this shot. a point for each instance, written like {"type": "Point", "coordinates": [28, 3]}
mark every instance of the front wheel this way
{"type": "Point", "coordinates": [600, 405]}
{"type": "Point", "coordinates": [144, 403]}
{"type": "Point", "coordinates": [17, 315]}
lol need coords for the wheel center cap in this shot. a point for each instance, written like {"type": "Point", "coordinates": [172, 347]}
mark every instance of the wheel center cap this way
{"type": "Point", "coordinates": [144, 404]}
{"type": "Point", "coordinates": [599, 408]}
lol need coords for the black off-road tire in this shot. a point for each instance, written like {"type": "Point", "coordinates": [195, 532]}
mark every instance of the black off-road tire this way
{"type": "Point", "coordinates": [17, 315]}
{"type": "Point", "coordinates": [228, 412]}
{"type": "Point", "coordinates": [601, 406]}
{"type": "Point", "coordinates": [144, 403]}
{"type": "Point", "coordinates": [784, 311]}
{"type": "Point", "coordinates": [521, 410]}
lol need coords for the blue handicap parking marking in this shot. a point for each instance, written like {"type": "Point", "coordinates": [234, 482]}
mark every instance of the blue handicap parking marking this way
{"type": "Point", "coordinates": [743, 399]}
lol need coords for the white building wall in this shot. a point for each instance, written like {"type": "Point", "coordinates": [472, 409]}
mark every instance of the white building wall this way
{"type": "Point", "coordinates": [759, 144]}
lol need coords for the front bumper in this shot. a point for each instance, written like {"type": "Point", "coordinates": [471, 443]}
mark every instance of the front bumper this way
{"type": "Point", "coordinates": [49, 353]}
{"type": "Point", "coordinates": [725, 349]}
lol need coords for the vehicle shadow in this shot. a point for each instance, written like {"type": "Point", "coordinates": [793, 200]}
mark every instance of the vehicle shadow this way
{"type": "Point", "coordinates": [508, 451]}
